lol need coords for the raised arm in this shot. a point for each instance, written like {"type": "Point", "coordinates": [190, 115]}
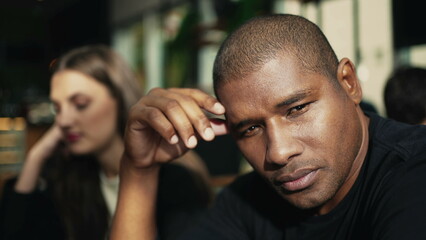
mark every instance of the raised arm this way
{"type": "Point", "coordinates": [35, 159]}
{"type": "Point", "coordinates": [162, 126]}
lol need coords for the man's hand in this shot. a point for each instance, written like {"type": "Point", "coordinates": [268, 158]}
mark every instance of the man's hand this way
{"type": "Point", "coordinates": [164, 124]}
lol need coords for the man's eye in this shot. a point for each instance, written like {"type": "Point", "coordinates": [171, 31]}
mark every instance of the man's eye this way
{"type": "Point", "coordinates": [250, 131]}
{"type": "Point", "coordinates": [298, 109]}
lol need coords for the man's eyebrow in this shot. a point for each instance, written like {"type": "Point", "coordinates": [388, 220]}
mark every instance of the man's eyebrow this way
{"type": "Point", "coordinates": [240, 124]}
{"type": "Point", "coordinates": [295, 97]}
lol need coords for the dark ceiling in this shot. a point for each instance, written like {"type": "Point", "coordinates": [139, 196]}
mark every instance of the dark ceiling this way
{"type": "Point", "coordinates": [32, 33]}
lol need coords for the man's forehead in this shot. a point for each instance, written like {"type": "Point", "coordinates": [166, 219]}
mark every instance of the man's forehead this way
{"type": "Point", "coordinates": [268, 91]}
{"type": "Point", "coordinates": [276, 80]}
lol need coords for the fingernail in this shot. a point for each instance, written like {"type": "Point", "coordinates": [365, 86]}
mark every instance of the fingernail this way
{"type": "Point", "coordinates": [208, 134]}
{"type": "Point", "coordinates": [174, 139]}
{"type": "Point", "coordinates": [192, 142]}
{"type": "Point", "coordinates": [218, 107]}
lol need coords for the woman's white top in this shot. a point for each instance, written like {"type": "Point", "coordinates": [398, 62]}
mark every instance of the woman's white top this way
{"type": "Point", "coordinates": [109, 187]}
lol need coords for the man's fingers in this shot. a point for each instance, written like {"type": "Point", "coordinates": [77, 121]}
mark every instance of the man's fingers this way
{"type": "Point", "coordinates": [184, 109]}
{"type": "Point", "coordinates": [180, 117]}
{"type": "Point", "coordinates": [141, 116]}
{"type": "Point", "coordinates": [169, 110]}
{"type": "Point", "coordinates": [193, 101]}
{"type": "Point", "coordinates": [196, 116]}
{"type": "Point", "coordinates": [202, 99]}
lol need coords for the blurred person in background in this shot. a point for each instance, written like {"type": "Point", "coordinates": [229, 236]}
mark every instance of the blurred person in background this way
{"type": "Point", "coordinates": [405, 95]}
{"type": "Point", "coordinates": [68, 186]}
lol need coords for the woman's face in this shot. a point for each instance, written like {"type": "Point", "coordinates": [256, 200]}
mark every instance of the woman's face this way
{"type": "Point", "coordinates": [85, 111]}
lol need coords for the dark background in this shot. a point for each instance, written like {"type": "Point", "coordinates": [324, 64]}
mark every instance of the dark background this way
{"type": "Point", "coordinates": [409, 20]}
{"type": "Point", "coordinates": [33, 32]}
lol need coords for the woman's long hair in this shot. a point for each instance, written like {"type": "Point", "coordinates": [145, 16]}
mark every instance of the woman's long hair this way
{"type": "Point", "coordinates": [76, 181]}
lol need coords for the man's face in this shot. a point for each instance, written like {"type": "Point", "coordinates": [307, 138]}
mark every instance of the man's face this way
{"type": "Point", "coordinates": [295, 128]}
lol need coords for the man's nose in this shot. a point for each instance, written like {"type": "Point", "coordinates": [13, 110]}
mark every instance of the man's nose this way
{"type": "Point", "coordinates": [282, 144]}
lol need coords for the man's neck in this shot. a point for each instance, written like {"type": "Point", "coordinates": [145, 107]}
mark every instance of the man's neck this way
{"type": "Point", "coordinates": [355, 169]}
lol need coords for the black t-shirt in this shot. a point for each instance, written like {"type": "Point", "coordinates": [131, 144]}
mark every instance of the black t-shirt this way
{"type": "Point", "coordinates": [34, 216]}
{"type": "Point", "coordinates": [387, 201]}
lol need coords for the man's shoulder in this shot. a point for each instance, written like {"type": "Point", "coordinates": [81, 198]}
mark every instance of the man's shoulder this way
{"type": "Point", "coordinates": [407, 141]}
{"type": "Point", "coordinates": [396, 179]}
{"type": "Point", "coordinates": [396, 149]}
{"type": "Point", "coordinates": [397, 160]}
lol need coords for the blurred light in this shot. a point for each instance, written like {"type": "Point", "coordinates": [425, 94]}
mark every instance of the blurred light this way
{"type": "Point", "coordinates": [9, 124]}
{"type": "Point", "coordinates": [5, 124]}
{"type": "Point", "coordinates": [8, 140]}
{"type": "Point", "coordinates": [20, 124]}
{"type": "Point", "coordinates": [214, 36]}
{"type": "Point", "coordinates": [363, 73]}
{"type": "Point", "coordinates": [9, 157]}
{"type": "Point", "coordinates": [40, 113]}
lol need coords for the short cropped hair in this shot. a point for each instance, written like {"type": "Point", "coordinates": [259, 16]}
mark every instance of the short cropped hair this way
{"type": "Point", "coordinates": [264, 38]}
{"type": "Point", "coordinates": [405, 95]}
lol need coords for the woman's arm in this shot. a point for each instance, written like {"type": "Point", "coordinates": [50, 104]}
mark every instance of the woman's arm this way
{"type": "Point", "coordinates": [34, 162]}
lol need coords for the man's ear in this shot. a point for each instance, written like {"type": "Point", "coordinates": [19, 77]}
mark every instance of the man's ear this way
{"type": "Point", "coordinates": [347, 78]}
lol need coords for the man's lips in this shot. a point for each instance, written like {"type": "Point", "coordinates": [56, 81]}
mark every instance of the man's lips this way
{"type": "Point", "coordinates": [297, 180]}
